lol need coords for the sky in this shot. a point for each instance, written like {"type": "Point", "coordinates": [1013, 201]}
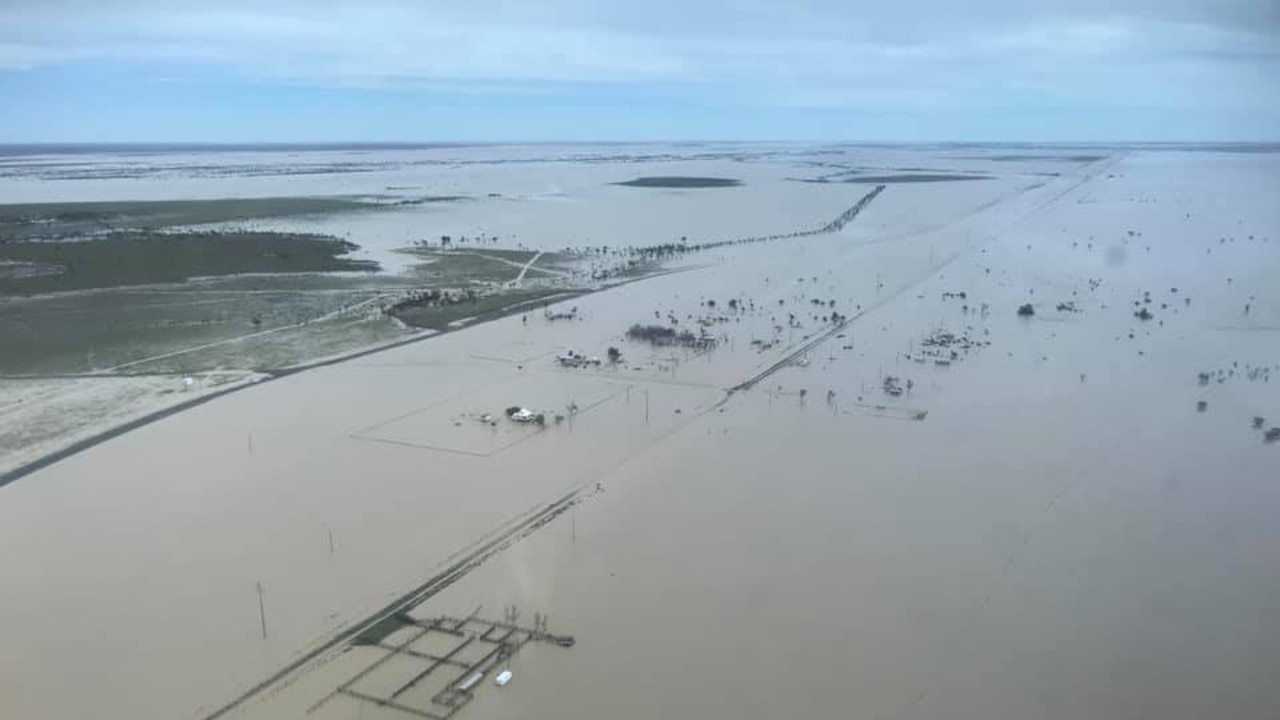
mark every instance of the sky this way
{"type": "Point", "coordinates": [566, 70]}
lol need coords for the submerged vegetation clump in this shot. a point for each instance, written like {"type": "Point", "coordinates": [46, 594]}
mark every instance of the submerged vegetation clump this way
{"type": "Point", "coordinates": [944, 347]}
{"type": "Point", "coordinates": [570, 314]}
{"type": "Point", "coordinates": [892, 385]}
{"type": "Point", "coordinates": [680, 181]}
{"type": "Point", "coordinates": [662, 336]}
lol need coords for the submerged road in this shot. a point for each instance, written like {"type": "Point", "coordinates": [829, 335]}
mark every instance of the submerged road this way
{"type": "Point", "coordinates": [520, 278]}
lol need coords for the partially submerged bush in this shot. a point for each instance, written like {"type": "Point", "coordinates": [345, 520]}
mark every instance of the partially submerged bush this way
{"type": "Point", "coordinates": [661, 335]}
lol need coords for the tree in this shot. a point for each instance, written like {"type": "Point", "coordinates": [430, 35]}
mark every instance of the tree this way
{"type": "Point", "coordinates": [614, 354]}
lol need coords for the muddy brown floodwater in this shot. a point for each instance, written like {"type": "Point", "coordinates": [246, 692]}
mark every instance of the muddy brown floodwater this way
{"type": "Point", "coordinates": [1040, 527]}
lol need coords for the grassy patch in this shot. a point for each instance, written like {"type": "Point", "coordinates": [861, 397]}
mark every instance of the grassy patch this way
{"type": "Point", "coordinates": [80, 332]}
{"type": "Point", "coordinates": [426, 200]}
{"type": "Point", "coordinates": [301, 282]}
{"type": "Point", "coordinates": [680, 181]}
{"type": "Point", "coordinates": [486, 261]}
{"type": "Point", "coordinates": [140, 259]}
{"type": "Point", "coordinates": [283, 348]}
{"type": "Point", "coordinates": [517, 256]}
{"type": "Point", "coordinates": [911, 178]}
{"type": "Point", "coordinates": [380, 630]}
{"type": "Point", "coordinates": [1034, 158]}
{"type": "Point", "coordinates": [437, 315]}
{"type": "Point", "coordinates": [74, 219]}
{"type": "Point", "coordinates": [463, 267]}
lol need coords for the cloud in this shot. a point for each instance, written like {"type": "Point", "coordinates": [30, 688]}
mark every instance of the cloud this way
{"type": "Point", "coordinates": [918, 55]}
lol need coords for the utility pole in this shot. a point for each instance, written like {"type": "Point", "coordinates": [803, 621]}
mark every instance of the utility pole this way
{"type": "Point", "coordinates": [646, 407]}
{"type": "Point", "coordinates": [262, 611]}
{"type": "Point", "coordinates": [330, 541]}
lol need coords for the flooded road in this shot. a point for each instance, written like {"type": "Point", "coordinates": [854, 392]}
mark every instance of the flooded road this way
{"type": "Point", "coordinates": [1060, 534]}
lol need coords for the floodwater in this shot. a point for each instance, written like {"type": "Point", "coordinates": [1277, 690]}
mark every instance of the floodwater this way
{"type": "Point", "coordinates": [539, 197]}
{"type": "Point", "coordinates": [1063, 534]}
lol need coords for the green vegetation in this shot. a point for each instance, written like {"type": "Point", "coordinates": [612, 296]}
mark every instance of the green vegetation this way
{"type": "Point", "coordinates": [381, 630]}
{"type": "Point", "coordinates": [250, 321]}
{"type": "Point", "coordinates": [516, 256]}
{"type": "Point", "coordinates": [1051, 158]}
{"type": "Point", "coordinates": [147, 258]}
{"type": "Point", "coordinates": [301, 282]}
{"type": "Point", "coordinates": [284, 347]}
{"type": "Point", "coordinates": [663, 335]}
{"type": "Point", "coordinates": [95, 331]}
{"type": "Point", "coordinates": [425, 200]}
{"type": "Point", "coordinates": [435, 310]}
{"type": "Point", "coordinates": [912, 178]}
{"type": "Point", "coordinates": [680, 181]}
{"type": "Point", "coordinates": [455, 267]}
{"type": "Point", "coordinates": [29, 221]}
{"type": "Point", "coordinates": [463, 267]}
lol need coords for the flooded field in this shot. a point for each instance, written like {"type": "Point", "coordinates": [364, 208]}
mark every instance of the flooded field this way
{"type": "Point", "coordinates": [854, 479]}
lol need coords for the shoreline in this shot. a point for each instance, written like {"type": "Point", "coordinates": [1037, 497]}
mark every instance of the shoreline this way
{"type": "Point", "coordinates": [674, 251]}
{"type": "Point", "coordinates": [10, 476]}
{"type": "Point", "coordinates": [78, 446]}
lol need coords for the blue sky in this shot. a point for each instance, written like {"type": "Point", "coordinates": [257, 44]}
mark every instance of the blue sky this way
{"type": "Point", "coordinates": [386, 70]}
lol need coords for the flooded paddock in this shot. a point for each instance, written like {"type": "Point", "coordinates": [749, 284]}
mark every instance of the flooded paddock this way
{"type": "Point", "coordinates": [1040, 525]}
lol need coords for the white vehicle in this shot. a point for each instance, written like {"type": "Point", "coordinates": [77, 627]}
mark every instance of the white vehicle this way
{"type": "Point", "coordinates": [574, 359]}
